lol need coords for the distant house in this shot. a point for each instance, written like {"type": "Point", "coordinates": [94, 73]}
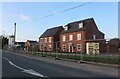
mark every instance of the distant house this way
{"type": "Point", "coordinates": [113, 45]}
{"type": "Point", "coordinates": [20, 45]}
{"type": "Point", "coordinates": [31, 45]}
{"type": "Point", "coordinates": [11, 40]}
{"type": "Point", "coordinates": [82, 36]}
{"type": "Point", "coordinates": [47, 41]}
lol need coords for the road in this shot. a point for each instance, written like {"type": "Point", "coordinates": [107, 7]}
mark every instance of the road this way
{"type": "Point", "coordinates": [20, 66]}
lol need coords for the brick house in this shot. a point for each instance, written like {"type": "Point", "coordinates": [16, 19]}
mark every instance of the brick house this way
{"type": "Point", "coordinates": [81, 36]}
{"type": "Point", "coordinates": [31, 45]}
{"type": "Point", "coordinates": [113, 45]}
{"type": "Point", "coordinates": [47, 41]}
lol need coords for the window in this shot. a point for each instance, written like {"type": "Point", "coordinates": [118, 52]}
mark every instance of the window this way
{"type": "Point", "coordinates": [94, 37]}
{"type": "Point", "coordinates": [80, 25]}
{"type": "Point", "coordinates": [65, 27]}
{"type": "Point", "coordinates": [79, 36]}
{"type": "Point", "coordinates": [45, 40]}
{"type": "Point", "coordinates": [79, 47]}
{"type": "Point", "coordinates": [50, 39]}
{"type": "Point", "coordinates": [50, 47]}
{"type": "Point", "coordinates": [64, 38]}
{"type": "Point", "coordinates": [71, 37]}
{"type": "Point", "coordinates": [63, 47]}
{"type": "Point", "coordinates": [41, 39]}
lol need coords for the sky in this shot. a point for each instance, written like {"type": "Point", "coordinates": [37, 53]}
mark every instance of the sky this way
{"type": "Point", "coordinates": [33, 18]}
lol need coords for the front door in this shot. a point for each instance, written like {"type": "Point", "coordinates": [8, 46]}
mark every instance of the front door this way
{"type": "Point", "coordinates": [70, 48]}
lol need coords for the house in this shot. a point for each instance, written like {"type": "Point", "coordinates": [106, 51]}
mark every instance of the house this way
{"type": "Point", "coordinates": [82, 36]}
{"type": "Point", "coordinates": [113, 45]}
{"type": "Point", "coordinates": [20, 45]}
{"type": "Point", "coordinates": [48, 41]}
{"type": "Point", "coordinates": [11, 40]}
{"type": "Point", "coordinates": [31, 45]}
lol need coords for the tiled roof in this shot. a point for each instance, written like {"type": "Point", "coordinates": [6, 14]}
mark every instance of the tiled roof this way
{"type": "Point", "coordinates": [74, 26]}
{"type": "Point", "coordinates": [51, 31]}
{"type": "Point", "coordinates": [31, 41]}
{"type": "Point", "coordinates": [19, 42]}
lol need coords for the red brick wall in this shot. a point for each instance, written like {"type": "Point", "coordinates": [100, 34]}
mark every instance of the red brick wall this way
{"type": "Point", "coordinates": [113, 45]}
{"type": "Point", "coordinates": [55, 39]}
{"type": "Point", "coordinates": [47, 43]}
{"type": "Point", "coordinates": [91, 30]}
{"type": "Point", "coordinates": [74, 41]}
{"type": "Point", "coordinates": [28, 46]}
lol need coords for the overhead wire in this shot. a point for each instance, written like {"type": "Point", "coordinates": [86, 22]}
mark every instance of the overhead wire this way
{"type": "Point", "coordinates": [55, 13]}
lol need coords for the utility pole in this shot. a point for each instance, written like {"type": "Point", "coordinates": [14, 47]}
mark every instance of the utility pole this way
{"type": "Point", "coordinates": [14, 32]}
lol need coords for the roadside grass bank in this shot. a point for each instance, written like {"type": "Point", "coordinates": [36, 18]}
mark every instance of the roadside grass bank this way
{"type": "Point", "coordinates": [91, 58]}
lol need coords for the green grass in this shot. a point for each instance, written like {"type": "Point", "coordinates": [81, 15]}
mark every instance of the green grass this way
{"type": "Point", "coordinates": [99, 59]}
{"type": "Point", "coordinates": [92, 58]}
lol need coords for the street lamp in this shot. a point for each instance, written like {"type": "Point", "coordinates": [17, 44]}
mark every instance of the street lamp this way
{"type": "Point", "coordinates": [56, 55]}
{"type": "Point", "coordinates": [81, 56]}
{"type": "Point", "coordinates": [43, 47]}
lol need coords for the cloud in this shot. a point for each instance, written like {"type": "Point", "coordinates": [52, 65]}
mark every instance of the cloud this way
{"type": "Point", "coordinates": [21, 17]}
{"type": "Point", "coordinates": [24, 17]}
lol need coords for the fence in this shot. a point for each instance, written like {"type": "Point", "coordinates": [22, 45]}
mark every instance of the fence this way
{"type": "Point", "coordinates": [95, 50]}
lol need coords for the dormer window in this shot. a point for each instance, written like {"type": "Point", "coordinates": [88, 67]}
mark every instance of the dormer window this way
{"type": "Point", "coordinates": [94, 36]}
{"type": "Point", "coordinates": [80, 25]}
{"type": "Point", "coordinates": [65, 28]}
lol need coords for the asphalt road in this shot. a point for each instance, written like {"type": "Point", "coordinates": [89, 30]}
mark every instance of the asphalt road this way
{"type": "Point", "coordinates": [20, 66]}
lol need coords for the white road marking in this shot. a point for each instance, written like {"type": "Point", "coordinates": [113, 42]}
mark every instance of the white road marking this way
{"type": "Point", "coordinates": [29, 71]}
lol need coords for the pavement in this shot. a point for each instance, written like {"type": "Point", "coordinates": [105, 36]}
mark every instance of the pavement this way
{"type": "Point", "coordinates": [57, 68]}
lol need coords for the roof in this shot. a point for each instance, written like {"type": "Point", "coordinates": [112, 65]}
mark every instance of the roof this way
{"type": "Point", "coordinates": [19, 42]}
{"type": "Point", "coordinates": [74, 26]}
{"type": "Point", "coordinates": [31, 41]}
{"type": "Point", "coordinates": [114, 42]}
{"type": "Point", "coordinates": [51, 31]}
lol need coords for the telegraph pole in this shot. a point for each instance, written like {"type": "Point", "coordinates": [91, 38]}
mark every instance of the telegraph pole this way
{"type": "Point", "coordinates": [14, 32]}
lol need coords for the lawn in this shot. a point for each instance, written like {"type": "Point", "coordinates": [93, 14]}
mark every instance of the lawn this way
{"type": "Point", "coordinates": [92, 58]}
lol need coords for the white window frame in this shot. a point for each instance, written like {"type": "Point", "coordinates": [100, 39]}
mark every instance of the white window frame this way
{"type": "Point", "coordinates": [65, 27]}
{"type": "Point", "coordinates": [50, 46]}
{"type": "Point", "coordinates": [94, 36]}
{"type": "Point", "coordinates": [79, 36]}
{"type": "Point", "coordinates": [70, 37]}
{"type": "Point", "coordinates": [79, 47]}
{"type": "Point", "coordinates": [64, 38]}
{"type": "Point", "coordinates": [63, 46]}
{"type": "Point", "coordinates": [50, 39]}
{"type": "Point", "coordinates": [45, 40]}
{"type": "Point", "coordinates": [41, 39]}
{"type": "Point", "coordinates": [80, 25]}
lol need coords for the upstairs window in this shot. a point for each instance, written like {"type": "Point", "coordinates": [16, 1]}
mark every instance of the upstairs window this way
{"type": "Point", "coordinates": [41, 39]}
{"type": "Point", "coordinates": [65, 28]}
{"type": "Point", "coordinates": [79, 36]}
{"type": "Point", "coordinates": [71, 37]}
{"type": "Point", "coordinates": [64, 38]}
{"type": "Point", "coordinates": [45, 40]}
{"type": "Point", "coordinates": [50, 39]}
{"type": "Point", "coordinates": [80, 25]}
{"type": "Point", "coordinates": [94, 36]}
